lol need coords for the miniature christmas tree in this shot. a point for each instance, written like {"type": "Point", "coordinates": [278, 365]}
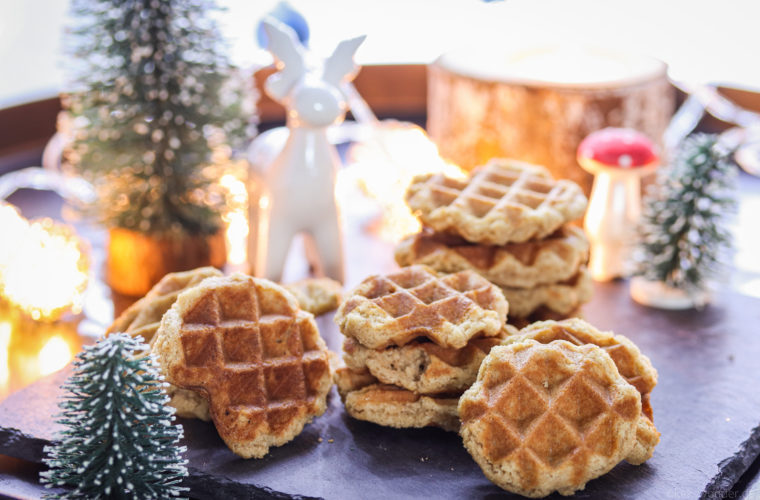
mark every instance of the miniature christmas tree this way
{"type": "Point", "coordinates": [683, 229]}
{"type": "Point", "coordinates": [118, 440]}
{"type": "Point", "coordinates": [155, 101]}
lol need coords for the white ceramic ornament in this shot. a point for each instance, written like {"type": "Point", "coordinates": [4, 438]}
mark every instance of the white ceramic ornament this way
{"type": "Point", "coordinates": [295, 193]}
{"type": "Point", "coordinates": [618, 158]}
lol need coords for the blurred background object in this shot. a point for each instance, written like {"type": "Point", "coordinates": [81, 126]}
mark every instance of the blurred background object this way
{"type": "Point", "coordinates": [536, 104]}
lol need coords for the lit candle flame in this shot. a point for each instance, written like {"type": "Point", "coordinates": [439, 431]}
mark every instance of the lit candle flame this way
{"type": "Point", "coordinates": [42, 270]}
{"type": "Point", "coordinates": [55, 354]}
{"type": "Point", "coordinates": [236, 218]}
{"type": "Point", "coordinates": [5, 341]}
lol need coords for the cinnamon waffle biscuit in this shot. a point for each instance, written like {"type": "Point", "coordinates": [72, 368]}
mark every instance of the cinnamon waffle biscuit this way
{"type": "Point", "coordinates": [316, 295]}
{"type": "Point", "coordinates": [519, 265]}
{"type": "Point", "coordinates": [548, 417]}
{"type": "Point", "coordinates": [503, 201]}
{"type": "Point", "coordinates": [634, 366]}
{"type": "Point", "coordinates": [421, 366]}
{"type": "Point", "coordinates": [144, 316]}
{"type": "Point", "coordinates": [562, 297]}
{"type": "Point", "coordinates": [393, 406]}
{"type": "Point", "coordinates": [246, 347]}
{"type": "Point", "coordinates": [416, 302]}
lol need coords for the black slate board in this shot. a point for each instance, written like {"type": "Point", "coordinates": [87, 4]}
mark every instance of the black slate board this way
{"type": "Point", "coordinates": [707, 406]}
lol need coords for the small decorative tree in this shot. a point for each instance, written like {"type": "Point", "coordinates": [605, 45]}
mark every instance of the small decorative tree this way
{"type": "Point", "coordinates": [118, 440]}
{"type": "Point", "coordinates": [683, 228]}
{"type": "Point", "coordinates": [155, 104]}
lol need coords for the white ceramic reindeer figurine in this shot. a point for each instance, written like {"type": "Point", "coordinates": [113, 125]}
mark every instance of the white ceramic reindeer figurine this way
{"type": "Point", "coordinates": [297, 191]}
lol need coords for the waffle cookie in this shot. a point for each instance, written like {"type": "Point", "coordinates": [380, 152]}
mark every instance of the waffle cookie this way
{"type": "Point", "coordinates": [548, 417]}
{"type": "Point", "coordinates": [420, 366]}
{"type": "Point", "coordinates": [393, 406]}
{"type": "Point", "coordinates": [503, 201]}
{"type": "Point", "coordinates": [244, 345]}
{"type": "Point", "coordinates": [631, 363]}
{"type": "Point", "coordinates": [518, 265]}
{"type": "Point", "coordinates": [562, 297]}
{"type": "Point", "coordinates": [316, 295]}
{"type": "Point", "coordinates": [416, 302]}
{"type": "Point", "coordinates": [144, 316]}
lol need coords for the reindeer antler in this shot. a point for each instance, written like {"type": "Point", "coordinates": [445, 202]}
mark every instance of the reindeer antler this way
{"type": "Point", "coordinates": [340, 66]}
{"type": "Point", "coordinates": [289, 58]}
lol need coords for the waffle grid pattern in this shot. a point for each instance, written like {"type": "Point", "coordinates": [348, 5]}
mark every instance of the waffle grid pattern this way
{"type": "Point", "coordinates": [549, 414]}
{"type": "Point", "coordinates": [503, 201]}
{"type": "Point", "coordinates": [501, 188]}
{"type": "Point", "coordinates": [545, 408]}
{"type": "Point", "coordinates": [235, 349]}
{"type": "Point", "coordinates": [628, 360]}
{"type": "Point", "coordinates": [416, 302]}
{"type": "Point", "coordinates": [144, 317]}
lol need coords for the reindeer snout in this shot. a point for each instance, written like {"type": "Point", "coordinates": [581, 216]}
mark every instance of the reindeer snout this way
{"type": "Point", "coordinates": [317, 105]}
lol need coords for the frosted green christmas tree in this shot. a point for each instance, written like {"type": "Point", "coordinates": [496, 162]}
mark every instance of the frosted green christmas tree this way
{"type": "Point", "coordinates": [154, 101]}
{"type": "Point", "coordinates": [683, 229]}
{"type": "Point", "coordinates": [118, 439]}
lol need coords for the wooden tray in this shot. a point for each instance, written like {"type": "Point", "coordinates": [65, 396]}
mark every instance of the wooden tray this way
{"type": "Point", "coordinates": [707, 406]}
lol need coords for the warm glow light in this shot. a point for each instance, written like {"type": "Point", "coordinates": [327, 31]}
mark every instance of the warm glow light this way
{"type": "Point", "coordinates": [43, 270]}
{"type": "Point", "coordinates": [54, 355]}
{"type": "Point", "coordinates": [5, 340]}
{"type": "Point", "coordinates": [236, 218]}
{"type": "Point", "coordinates": [385, 166]}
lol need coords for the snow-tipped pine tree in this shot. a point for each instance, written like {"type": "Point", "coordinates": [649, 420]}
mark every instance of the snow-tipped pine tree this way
{"type": "Point", "coordinates": [683, 229]}
{"type": "Point", "coordinates": [153, 100]}
{"type": "Point", "coordinates": [118, 439]}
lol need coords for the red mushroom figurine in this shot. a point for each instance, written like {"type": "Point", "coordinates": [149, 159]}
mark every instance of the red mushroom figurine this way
{"type": "Point", "coordinates": [618, 158]}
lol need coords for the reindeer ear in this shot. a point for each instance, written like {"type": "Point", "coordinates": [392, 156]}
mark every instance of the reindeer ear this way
{"type": "Point", "coordinates": [289, 57]}
{"type": "Point", "coordinates": [340, 67]}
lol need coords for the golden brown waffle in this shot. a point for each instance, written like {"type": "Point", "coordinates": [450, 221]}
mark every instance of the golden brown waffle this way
{"type": "Point", "coordinates": [348, 380]}
{"type": "Point", "coordinates": [634, 366]}
{"type": "Point", "coordinates": [393, 406]}
{"type": "Point", "coordinates": [244, 344]}
{"type": "Point", "coordinates": [647, 438]}
{"type": "Point", "coordinates": [562, 297]}
{"type": "Point", "coordinates": [548, 417]}
{"type": "Point", "coordinates": [422, 366]}
{"type": "Point", "coordinates": [519, 265]}
{"type": "Point", "coordinates": [144, 316]}
{"type": "Point", "coordinates": [317, 295]}
{"type": "Point", "coordinates": [503, 201]}
{"type": "Point", "coordinates": [415, 302]}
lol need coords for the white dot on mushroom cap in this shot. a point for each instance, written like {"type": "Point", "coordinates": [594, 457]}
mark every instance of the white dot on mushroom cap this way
{"type": "Point", "coordinates": [625, 160]}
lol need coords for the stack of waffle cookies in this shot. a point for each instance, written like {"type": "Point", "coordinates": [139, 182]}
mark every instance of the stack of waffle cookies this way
{"type": "Point", "coordinates": [414, 342]}
{"type": "Point", "coordinates": [509, 222]}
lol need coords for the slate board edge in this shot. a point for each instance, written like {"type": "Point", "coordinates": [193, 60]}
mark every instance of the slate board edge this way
{"type": "Point", "coordinates": [201, 485]}
{"type": "Point", "coordinates": [732, 468]}
{"type": "Point", "coordinates": [31, 452]}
